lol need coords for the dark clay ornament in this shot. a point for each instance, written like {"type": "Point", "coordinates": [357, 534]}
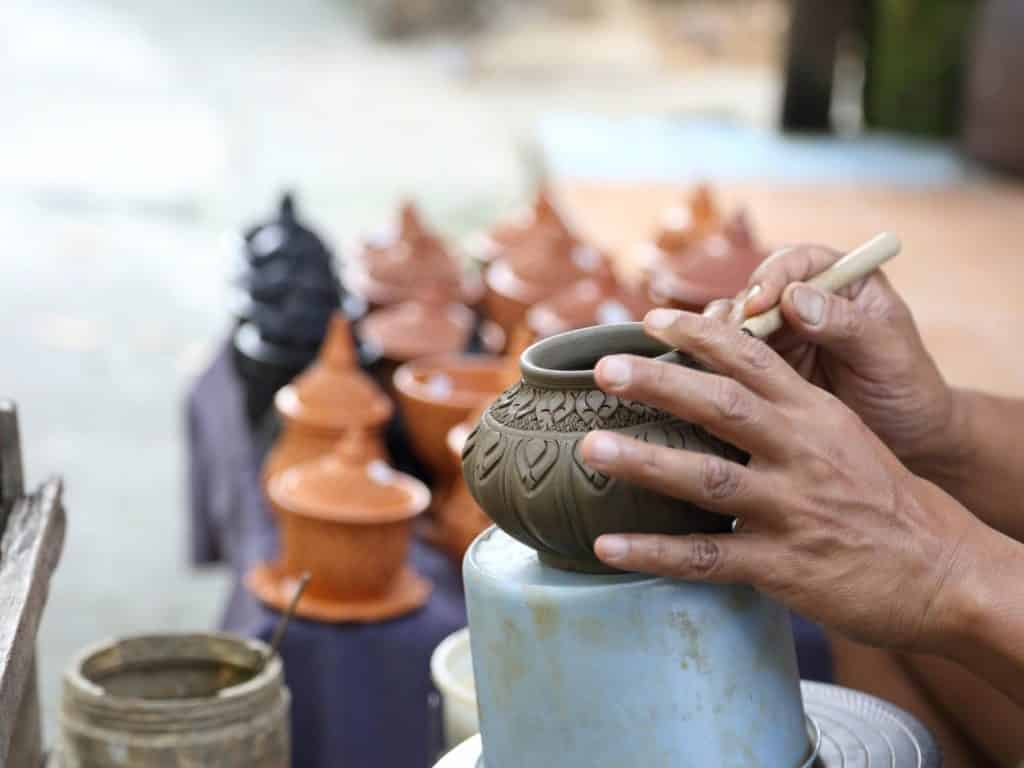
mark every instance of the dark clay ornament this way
{"type": "Point", "coordinates": [523, 465]}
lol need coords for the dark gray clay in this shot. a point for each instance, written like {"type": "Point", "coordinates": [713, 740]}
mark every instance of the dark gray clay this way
{"type": "Point", "coordinates": [523, 465]}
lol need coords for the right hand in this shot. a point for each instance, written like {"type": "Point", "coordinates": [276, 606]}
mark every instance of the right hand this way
{"type": "Point", "coordinates": [860, 344]}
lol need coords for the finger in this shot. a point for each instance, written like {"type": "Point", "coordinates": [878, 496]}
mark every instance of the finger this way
{"type": "Point", "coordinates": [721, 405]}
{"type": "Point", "coordinates": [789, 265]}
{"type": "Point", "coordinates": [726, 350]}
{"type": "Point", "coordinates": [720, 559]}
{"type": "Point", "coordinates": [711, 482]}
{"type": "Point", "coordinates": [719, 309]}
{"type": "Point", "coordinates": [852, 330]}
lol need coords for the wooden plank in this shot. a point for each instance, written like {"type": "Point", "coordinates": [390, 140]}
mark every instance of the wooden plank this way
{"type": "Point", "coordinates": [12, 480]}
{"type": "Point", "coordinates": [960, 270]}
{"type": "Point", "coordinates": [29, 551]}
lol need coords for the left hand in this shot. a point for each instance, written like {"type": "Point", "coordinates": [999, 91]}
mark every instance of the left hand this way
{"type": "Point", "coordinates": [833, 525]}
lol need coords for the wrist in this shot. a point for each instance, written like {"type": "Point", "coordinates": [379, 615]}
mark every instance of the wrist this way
{"type": "Point", "coordinates": [945, 455]}
{"type": "Point", "coordinates": [970, 607]}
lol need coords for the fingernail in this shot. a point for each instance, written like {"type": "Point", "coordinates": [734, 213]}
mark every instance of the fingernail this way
{"type": "Point", "coordinates": [602, 449]}
{"type": "Point", "coordinates": [614, 371]}
{"type": "Point", "coordinates": [660, 319]}
{"type": "Point", "coordinates": [754, 290]}
{"type": "Point", "coordinates": [611, 547]}
{"type": "Point", "coordinates": [719, 309]}
{"type": "Point", "coordinates": [809, 303]}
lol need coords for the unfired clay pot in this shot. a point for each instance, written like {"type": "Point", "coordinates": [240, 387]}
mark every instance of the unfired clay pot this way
{"type": "Point", "coordinates": [330, 398]}
{"type": "Point", "coordinates": [459, 517]}
{"type": "Point", "coordinates": [523, 465]}
{"type": "Point", "coordinates": [347, 519]}
{"type": "Point", "coordinates": [414, 263]}
{"type": "Point", "coordinates": [714, 266]}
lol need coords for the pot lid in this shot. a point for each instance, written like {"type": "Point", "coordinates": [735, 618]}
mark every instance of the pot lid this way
{"type": "Point", "coordinates": [683, 225]}
{"type": "Point", "coordinates": [416, 329]}
{"type": "Point", "coordinates": [333, 393]}
{"type": "Point", "coordinates": [350, 485]}
{"type": "Point", "coordinates": [590, 301]}
{"type": "Point", "coordinates": [716, 266]}
{"type": "Point", "coordinates": [544, 215]}
{"type": "Point", "coordinates": [411, 263]}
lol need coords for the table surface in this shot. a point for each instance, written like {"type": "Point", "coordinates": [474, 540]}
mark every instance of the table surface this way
{"type": "Point", "coordinates": [960, 268]}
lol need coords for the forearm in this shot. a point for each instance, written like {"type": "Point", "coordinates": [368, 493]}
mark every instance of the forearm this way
{"type": "Point", "coordinates": [985, 632]}
{"type": "Point", "coordinates": [980, 460]}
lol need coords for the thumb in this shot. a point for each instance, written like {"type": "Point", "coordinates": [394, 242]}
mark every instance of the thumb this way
{"type": "Point", "coordinates": [826, 319]}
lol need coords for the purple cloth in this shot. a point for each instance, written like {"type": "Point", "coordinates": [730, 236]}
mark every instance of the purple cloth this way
{"type": "Point", "coordinates": [359, 691]}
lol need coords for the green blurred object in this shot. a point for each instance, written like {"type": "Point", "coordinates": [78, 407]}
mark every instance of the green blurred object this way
{"type": "Point", "coordinates": [915, 68]}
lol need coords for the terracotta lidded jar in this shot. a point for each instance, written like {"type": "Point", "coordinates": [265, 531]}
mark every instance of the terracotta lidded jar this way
{"type": "Point", "coordinates": [347, 518]}
{"type": "Point", "coordinates": [542, 215]}
{"type": "Point", "coordinates": [411, 263]}
{"type": "Point", "coordinates": [329, 399]}
{"type": "Point", "coordinates": [533, 268]}
{"type": "Point", "coordinates": [597, 300]}
{"type": "Point", "coordinates": [714, 266]}
{"type": "Point", "coordinates": [523, 465]}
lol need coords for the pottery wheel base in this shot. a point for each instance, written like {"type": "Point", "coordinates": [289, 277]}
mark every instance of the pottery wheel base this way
{"type": "Point", "coordinates": [410, 592]}
{"type": "Point", "coordinates": [856, 729]}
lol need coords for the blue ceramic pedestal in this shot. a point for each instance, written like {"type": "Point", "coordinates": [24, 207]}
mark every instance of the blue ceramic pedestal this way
{"type": "Point", "coordinates": [606, 671]}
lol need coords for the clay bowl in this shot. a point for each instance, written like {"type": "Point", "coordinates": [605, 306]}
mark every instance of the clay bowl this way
{"type": "Point", "coordinates": [522, 461]}
{"type": "Point", "coordinates": [436, 393]}
{"type": "Point", "coordinates": [416, 329]}
{"type": "Point", "coordinates": [347, 519]}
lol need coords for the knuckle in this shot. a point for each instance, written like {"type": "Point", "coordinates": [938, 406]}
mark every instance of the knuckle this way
{"type": "Point", "coordinates": [731, 401]}
{"type": "Point", "coordinates": [719, 478]}
{"type": "Point", "coordinates": [756, 354]}
{"type": "Point", "coordinates": [705, 556]}
{"type": "Point", "coordinates": [846, 319]}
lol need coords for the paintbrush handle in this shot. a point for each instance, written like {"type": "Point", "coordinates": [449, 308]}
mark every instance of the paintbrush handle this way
{"type": "Point", "coordinates": [858, 263]}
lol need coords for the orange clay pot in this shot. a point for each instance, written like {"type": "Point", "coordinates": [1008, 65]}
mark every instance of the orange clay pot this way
{"type": "Point", "coordinates": [534, 270]}
{"type": "Point", "coordinates": [347, 519]}
{"type": "Point", "coordinates": [330, 398]}
{"type": "Point", "coordinates": [716, 266]}
{"type": "Point", "coordinates": [511, 232]}
{"type": "Point", "coordinates": [458, 518]}
{"type": "Point", "coordinates": [590, 301]}
{"type": "Point", "coordinates": [436, 393]}
{"type": "Point", "coordinates": [414, 263]}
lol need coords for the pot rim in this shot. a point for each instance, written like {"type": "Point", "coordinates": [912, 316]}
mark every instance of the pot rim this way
{"type": "Point", "coordinates": [84, 688]}
{"type": "Point", "coordinates": [408, 386]}
{"type": "Point", "coordinates": [550, 363]}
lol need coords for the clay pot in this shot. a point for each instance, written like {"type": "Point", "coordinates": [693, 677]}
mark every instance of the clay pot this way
{"type": "Point", "coordinates": [534, 270]}
{"type": "Point", "coordinates": [590, 301]}
{"type": "Point", "coordinates": [506, 234]}
{"type": "Point", "coordinates": [347, 519]}
{"type": "Point", "coordinates": [411, 264]}
{"type": "Point", "coordinates": [436, 393]}
{"type": "Point", "coordinates": [715, 266]}
{"type": "Point", "coordinates": [329, 399]}
{"type": "Point", "coordinates": [522, 461]}
{"type": "Point", "coordinates": [459, 517]}
{"type": "Point", "coordinates": [684, 225]}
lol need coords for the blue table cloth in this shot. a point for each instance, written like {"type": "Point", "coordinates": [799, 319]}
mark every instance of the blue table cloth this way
{"type": "Point", "coordinates": [359, 691]}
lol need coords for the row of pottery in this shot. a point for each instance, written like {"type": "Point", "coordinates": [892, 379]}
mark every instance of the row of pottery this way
{"type": "Point", "coordinates": [345, 515]}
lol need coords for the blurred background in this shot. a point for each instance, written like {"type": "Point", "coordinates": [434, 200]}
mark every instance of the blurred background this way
{"type": "Point", "coordinates": [138, 138]}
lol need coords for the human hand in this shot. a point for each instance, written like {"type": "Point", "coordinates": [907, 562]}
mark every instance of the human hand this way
{"type": "Point", "coordinates": [861, 344]}
{"type": "Point", "coordinates": [833, 524]}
